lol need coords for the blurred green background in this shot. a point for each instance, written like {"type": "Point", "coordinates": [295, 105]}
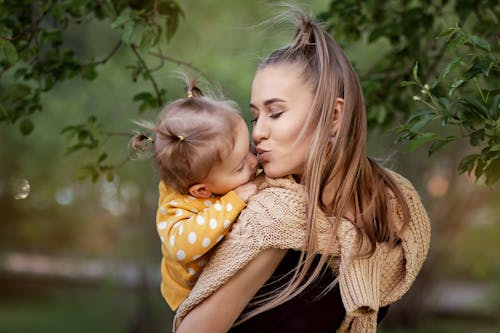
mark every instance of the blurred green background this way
{"type": "Point", "coordinates": [83, 257]}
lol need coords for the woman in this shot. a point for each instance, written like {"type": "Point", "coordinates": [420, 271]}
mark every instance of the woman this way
{"type": "Point", "coordinates": [310, 127]}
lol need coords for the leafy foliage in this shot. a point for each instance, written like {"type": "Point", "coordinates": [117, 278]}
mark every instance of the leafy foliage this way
{"type": "Point", "coordinates": [34, 51]}
{"type": "Point", "coordinates": [466, 96]}
{"type": "Point", "coordinates": [463, 69]}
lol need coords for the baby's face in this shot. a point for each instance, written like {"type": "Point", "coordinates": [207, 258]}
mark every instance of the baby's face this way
{"type": "Point", "coordinates": [237, 168]}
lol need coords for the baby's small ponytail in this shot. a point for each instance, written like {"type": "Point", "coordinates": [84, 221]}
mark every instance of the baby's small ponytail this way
{"type": "Point", "coordinates": [140, 141]}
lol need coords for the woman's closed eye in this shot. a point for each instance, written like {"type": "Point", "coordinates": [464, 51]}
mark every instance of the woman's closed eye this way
{"type": "Point", "coordinates": [275, 114]}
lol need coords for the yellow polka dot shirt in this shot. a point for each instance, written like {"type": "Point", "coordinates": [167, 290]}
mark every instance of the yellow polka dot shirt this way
{"type": "Point", "coordinates": [189, 228]}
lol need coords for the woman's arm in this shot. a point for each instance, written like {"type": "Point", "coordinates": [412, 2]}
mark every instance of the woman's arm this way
{"type": "Point", "coordinates": [218, 312]}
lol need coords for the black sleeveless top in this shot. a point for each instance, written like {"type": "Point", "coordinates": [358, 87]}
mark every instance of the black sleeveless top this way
{"type": "Point", "coordinates": [304, 313]}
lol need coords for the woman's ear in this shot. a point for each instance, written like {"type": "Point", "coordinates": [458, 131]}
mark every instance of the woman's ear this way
{"type": "Point", "coordinates": [200, 191]}
{"type": "Point", "coordinates": [337, 115]}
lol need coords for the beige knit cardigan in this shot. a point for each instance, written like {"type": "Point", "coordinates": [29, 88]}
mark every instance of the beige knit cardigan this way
{"type": "Point", "coordinates": [275, 218]}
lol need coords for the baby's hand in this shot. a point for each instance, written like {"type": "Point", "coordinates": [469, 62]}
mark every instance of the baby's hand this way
{"type": "Point", "coordinates": [246, 190]}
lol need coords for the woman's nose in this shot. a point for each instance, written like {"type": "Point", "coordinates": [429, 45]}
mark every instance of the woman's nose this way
{"type": "Point", "coordinates": [260, 130]}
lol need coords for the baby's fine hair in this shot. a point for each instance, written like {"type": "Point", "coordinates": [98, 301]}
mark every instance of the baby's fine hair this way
{"type": "Point", "coordinates": [191, 136]}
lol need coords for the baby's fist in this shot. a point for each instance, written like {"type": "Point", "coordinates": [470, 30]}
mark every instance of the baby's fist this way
{"type": "Point", "coordinates": [246, 190]}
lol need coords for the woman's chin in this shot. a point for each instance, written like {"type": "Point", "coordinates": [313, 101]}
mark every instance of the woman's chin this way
{"type": "Point", "coordinates": [273, 173]}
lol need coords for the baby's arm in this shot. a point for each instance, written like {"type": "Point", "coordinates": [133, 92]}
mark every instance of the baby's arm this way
{"type": "Point", "coordinates": [188, 234]}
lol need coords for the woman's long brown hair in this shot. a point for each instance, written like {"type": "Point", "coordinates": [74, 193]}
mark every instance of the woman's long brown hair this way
{"type": "Point", "coordinates": [361, 187]}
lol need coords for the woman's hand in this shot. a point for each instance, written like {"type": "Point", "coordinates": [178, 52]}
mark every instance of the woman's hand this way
{"type": "Point", "coordinates": [218, 312]}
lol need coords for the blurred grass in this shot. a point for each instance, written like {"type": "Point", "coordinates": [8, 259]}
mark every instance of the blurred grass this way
{"type": "Point", "coordinates": [102, 309]}
{"type": "Point", "coordinates": [444, 325]}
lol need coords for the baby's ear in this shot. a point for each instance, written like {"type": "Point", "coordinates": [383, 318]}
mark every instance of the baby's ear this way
{"type": "Point", "coordinates": [200, 191]}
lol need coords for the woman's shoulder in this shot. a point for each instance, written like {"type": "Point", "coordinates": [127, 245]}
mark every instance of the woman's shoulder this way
{"type": "Point", "coordinates": [403, 183]}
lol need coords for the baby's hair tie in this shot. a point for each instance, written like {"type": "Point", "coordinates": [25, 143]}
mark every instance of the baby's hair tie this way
{"type": "Point", "coordinates": [189, 94]}
{"type": "Point", "coordinates": [148, 138]}
{"type": "Point", "coordinates": [181, 138]}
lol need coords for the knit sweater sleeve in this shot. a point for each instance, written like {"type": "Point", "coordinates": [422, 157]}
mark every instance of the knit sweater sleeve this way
{"type": "Point", "coordinates": [368, 283]}
{"type": "Point", "coordinates": [359, 282]}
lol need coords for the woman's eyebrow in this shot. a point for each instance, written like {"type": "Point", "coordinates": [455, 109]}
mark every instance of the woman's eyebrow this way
{"type": "Point", "coordinates": [269, 101]}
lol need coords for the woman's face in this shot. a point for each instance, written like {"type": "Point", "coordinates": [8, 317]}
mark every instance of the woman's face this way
{"type": "Point", "coordinates": [280, 104]}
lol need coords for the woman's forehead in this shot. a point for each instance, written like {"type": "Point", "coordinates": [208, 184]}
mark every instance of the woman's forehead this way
{"type": "Point", "coordinates": [277, 81]}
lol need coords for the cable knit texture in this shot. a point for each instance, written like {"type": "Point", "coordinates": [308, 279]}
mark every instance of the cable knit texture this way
{"type": "Point", "coordinates": [276, 218]}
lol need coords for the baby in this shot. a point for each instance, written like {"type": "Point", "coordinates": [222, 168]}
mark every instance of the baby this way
{"type": "Point", "coordinates": [201, 150]}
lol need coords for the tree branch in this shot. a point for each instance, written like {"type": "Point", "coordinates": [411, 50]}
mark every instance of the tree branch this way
{"type": "Point", "coordinates": [33, 25]}
{"type": "Point", "coordinates": [151, 78]}
{"type": "Point", "coordinates": [109, 56]}
{"type": "Point", "coordinates": [182, 63]}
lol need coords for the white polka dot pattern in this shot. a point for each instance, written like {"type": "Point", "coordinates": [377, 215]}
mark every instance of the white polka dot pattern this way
{"type": "Point", "coordinates": [188, 228]}
{"type": "Point", "coordinates": [181, 255]}
{"type": "Point", "coordinates": [206, 242]}
{"type": "Point", "coordinates": [192, 237]}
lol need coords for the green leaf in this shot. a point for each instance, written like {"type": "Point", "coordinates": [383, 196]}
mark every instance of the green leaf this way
{"type": "Point", "coordinates": [419, 114]}
{"type": "Point", "coordinates": [147, 38]}
{"type": "Point", "coordinates": [479, 169]}
{"type": "Point", "coordinates": [129, 33]}
{"type": "Point", "coordinates": [492, 171]}
{"type": "Point", "coordinates": [121, 20]}
{"type": "Point", "coordinates": [454, 86]}
{"type": "Point", "coordinates": [481, 65]}
{"type": "Point", "coordinates": [467, 163]}
{"type": "Point", "coordinates": [422, 122]}
{"type": "Point", "coordinates": [171, 24]}
{"type": "Point", "coordinates": [477, 137]}
{"type": "Point", "coordinates": [415, 72]}
{"type": "Point", "coordinates": [445, 102]}
{"type": "Point", "coordinates": [419, 141]}
{"type": "Point", "coordinates": [108, 8]}
{"type": "Point", "coordinates": [26, 126]}
{"type": "Point", "coordinates": [143, 96]}
{"type": "Point", "coordinates": [89, 73]}
{"type": "Point", "coordinates": [9, 50]}
{"type": "Point", "coordinates": [102, 157]}
{"type": "Point", "coordinates": [438, 144]}
{"type": "Point", "coordinates": [455, 42]}
{"type": "Point", "coordinates": [449, 67]}
{"type": "Point", "coordinates": [83, 134]}
{"type": "Point", "coordinates": [479, 42]}
{"type": "Point", "coordinates": [448, 32]}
